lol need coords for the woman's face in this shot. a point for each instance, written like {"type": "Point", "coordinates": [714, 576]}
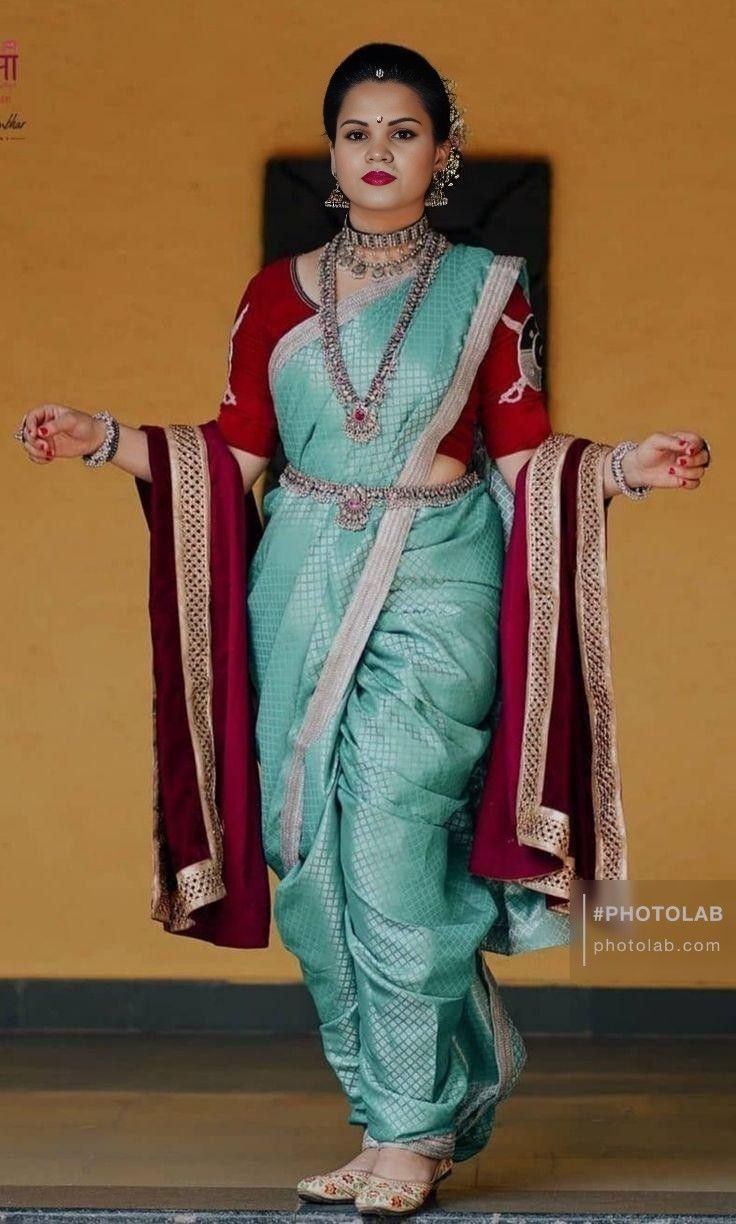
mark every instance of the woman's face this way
{"type": "Point", "coordinates": [368, 139]}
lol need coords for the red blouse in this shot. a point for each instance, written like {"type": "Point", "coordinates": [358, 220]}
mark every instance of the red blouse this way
{"type": "Point", "coordinates": [506, 394]}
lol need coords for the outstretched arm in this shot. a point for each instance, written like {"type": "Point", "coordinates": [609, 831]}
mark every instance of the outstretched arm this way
{"type": "Point", "coordinates": [674, 460]}
{"type": "Point", "coordinates": [54, 431]}
{"type": "Point", "coordinates": [663, 461]}
{"type": "Point", "coordinates": [515, 420]}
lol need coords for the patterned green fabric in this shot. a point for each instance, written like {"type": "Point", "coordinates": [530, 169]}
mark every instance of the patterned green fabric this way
{"type": "Point", "coordinates": [386, 920]}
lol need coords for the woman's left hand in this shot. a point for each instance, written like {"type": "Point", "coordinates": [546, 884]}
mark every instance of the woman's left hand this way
{"type": "Point", "coordinates": [667, 461]}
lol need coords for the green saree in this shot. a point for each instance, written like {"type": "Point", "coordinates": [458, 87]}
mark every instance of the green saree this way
{"type": "Point", "coordinates": [373, 656]}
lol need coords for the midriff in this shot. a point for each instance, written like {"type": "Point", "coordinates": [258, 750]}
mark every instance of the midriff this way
{"type": "Point", "coordinates": [445, 467]}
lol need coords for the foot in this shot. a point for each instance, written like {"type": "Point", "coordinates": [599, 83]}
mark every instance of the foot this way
{"type": "Point", "coordinates": [339, 1185]}
{"type": "Point", "coordinates": [404, 1164]}
{"type": "Point", "coordinates": [364, 1161]}
{"type": "Point", "coordinates": [402, 1182]}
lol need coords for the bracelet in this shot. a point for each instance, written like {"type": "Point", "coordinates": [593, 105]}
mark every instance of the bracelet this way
{"type": "Point", "coordinates": [636, 492]}
{"type": "Point", "coordinates": [109, 445]}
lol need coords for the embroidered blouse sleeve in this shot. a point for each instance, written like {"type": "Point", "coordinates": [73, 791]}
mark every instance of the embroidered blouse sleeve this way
{"type": "Point", "coordinates": [247, 418]}
{"type": "Point", "coordinates": [513, 409]}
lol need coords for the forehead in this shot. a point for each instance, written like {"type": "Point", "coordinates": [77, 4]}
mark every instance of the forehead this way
{"type": "Point", "coordinates": [361, 100]}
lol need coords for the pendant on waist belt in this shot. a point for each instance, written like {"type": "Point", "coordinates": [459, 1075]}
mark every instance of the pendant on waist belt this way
{"type": "Point", "coordinates": [354, 509]}
{"type": "Point", "coordinates": [361, 423]}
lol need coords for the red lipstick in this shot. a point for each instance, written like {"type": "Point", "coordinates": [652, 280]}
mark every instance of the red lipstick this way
{"type": "Point", "coordinates": [378, 177]}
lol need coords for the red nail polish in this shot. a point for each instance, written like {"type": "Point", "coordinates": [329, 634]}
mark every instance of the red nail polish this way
{"type": "Point", "coordinates": [43, 430]}
{"type": "Point", "coordinates": [681, 460]}
{"type": "Point", "coordinates": [672, 471]}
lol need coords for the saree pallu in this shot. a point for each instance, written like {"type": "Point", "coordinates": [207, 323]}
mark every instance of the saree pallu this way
{"type": "Point", "coordinates": [371, 658]}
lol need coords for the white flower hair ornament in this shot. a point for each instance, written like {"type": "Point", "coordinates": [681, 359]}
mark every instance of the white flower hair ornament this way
{"type": "Point", "coordinates": [458, 136]}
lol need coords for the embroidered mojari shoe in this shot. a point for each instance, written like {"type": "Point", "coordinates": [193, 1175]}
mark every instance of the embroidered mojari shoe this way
{"type": "Point", "coordinates": [394, 1196]}
{"type": "Point", "coordinates": [338, 1187]}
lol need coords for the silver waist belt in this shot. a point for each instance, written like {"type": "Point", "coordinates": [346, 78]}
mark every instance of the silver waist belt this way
{"type": "Point", "coordinates": [356, 500]}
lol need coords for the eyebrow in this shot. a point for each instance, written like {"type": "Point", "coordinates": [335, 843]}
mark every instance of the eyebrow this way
{"type": "Point", "coordinates": [362, 122]}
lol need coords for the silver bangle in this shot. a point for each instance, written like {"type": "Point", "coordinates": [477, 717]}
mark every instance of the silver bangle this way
{"type": "Point", "coordinates": [20, 433]}
{"type": "Point", "coordinates": [636, 492]}
{"type": "Point", "coordinates": [109, 445]}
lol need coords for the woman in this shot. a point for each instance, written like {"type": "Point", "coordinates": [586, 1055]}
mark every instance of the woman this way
{"type": "Point", "coordinates": [416, 803]}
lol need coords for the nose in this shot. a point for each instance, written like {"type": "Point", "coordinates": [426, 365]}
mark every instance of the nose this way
{"type": "Point", "coordinates": [379, 153]}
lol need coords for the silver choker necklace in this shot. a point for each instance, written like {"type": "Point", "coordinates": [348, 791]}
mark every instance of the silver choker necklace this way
{"type": "Point", "coordinates": [366, 238]}
{"type": "Point", "coordinates": [350, 244]}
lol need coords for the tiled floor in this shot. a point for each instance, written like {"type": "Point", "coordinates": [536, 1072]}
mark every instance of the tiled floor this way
{"type": "Point", "coordinates": [228, 1124]}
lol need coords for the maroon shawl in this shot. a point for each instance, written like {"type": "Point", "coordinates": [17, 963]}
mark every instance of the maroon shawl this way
{"type": "Point", "coordinates": [550, 808]}
{"type": "Point", "coordinates": [210, 879]}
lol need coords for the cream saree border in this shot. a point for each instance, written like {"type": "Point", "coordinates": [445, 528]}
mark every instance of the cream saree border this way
{"type": "Point", "coordinates": [509, 1061]}
{"type": "Point", "coordinates": [536, 824]}
{"type": "Point", "coordinates": [308, 330]}
{"type": "Point", "coordinates": [200, 883]}
{"type": "Point", "coordinates": [380, 566]}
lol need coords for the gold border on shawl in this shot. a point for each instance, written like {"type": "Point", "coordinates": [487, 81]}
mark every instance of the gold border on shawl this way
{"type": "Point", "coordinates": [591, 599]}
{"type": "Point", "coordinates": [380, 566]}
{"type": "Point", "coordinates": [200, 883]}
{"type": "Point", "coordinates": [543, 578]}
{"type": "Point", "coordinates": [539, 826]}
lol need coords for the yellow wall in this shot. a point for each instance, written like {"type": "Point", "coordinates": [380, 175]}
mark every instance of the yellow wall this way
{"type": "Point", "coordinates": [129, 223]}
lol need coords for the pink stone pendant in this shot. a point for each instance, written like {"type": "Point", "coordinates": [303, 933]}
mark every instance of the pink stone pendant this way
{"type": "Point", "coordinates": [354, 509]}
{"type": "Point", "coordinates": [361, 424]}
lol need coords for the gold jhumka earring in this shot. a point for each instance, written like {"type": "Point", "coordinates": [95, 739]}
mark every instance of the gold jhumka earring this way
{"type": "Point", "coordinates": [441, 179]}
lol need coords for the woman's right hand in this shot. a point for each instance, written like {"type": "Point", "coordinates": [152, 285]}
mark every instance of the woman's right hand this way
{"type": "Point", "coordinates": [54, 431]}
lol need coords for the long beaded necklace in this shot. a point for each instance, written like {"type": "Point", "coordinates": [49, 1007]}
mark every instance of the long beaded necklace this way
{"type": "Point", "coordinates": [361, 422]}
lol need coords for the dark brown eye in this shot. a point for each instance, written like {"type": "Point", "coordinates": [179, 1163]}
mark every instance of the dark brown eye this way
{"type": "Point", "coordinates": [398, 132]}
